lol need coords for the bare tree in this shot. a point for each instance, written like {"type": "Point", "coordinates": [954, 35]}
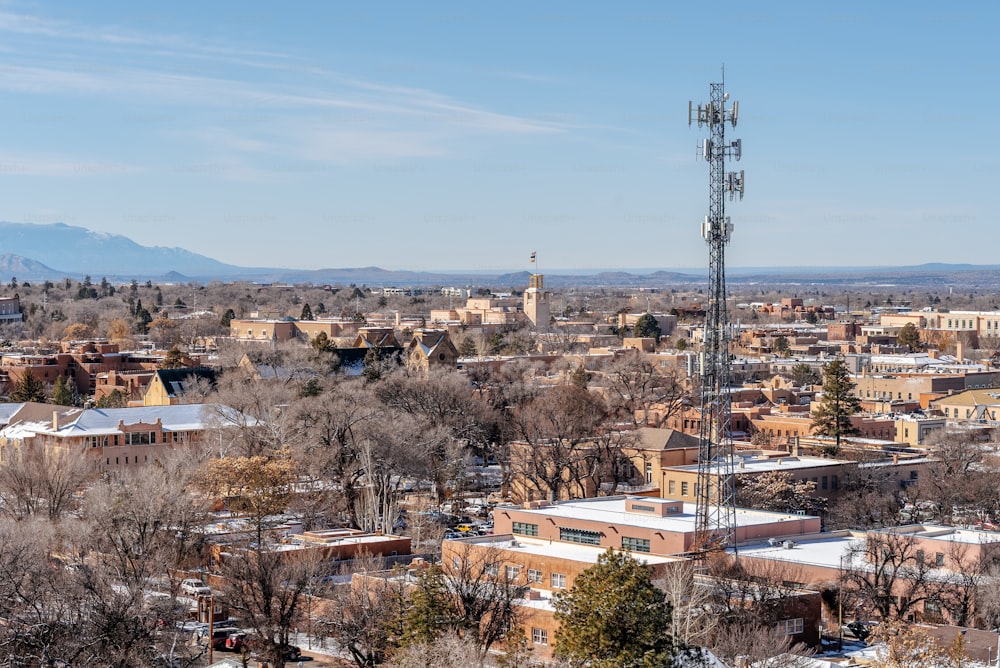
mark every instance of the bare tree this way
{"type": "Point", "coordinates": [634, 383]}
{"type": "Point", "coordinates": [367, 617]}
{"type": "Point", "coordinates": [266, 588]}
{"type": "Point", "coordinates": [693, 618]}
{"type": "Point", "coordinates": [889, 574]}
{"type": "Point", "coordinates": [41, 480]}
{"type": "Point", "coordinates": [556, 427]}
{"type": "Point", "coordinates": [449, 649]}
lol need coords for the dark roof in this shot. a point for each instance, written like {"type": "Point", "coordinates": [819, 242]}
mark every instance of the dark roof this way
{"type": "Point", "coordinates": [176, 380]}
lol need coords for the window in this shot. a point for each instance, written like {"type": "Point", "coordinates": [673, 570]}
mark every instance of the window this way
{"type": "Point", "coordinates": [525, 529]}
{"type": "Point", "coordinates": [539, 636]}
{"type": "Point", "coordinates": [939, 559]}
{"type": "Point", "coordinates": [557, 581]}
{"type": "Point", "coordinates": [671, 488]}
{"type": "Point", "coordinates": [825, 482]}
{"type": "Point", "coordinates": [791, 626]}
{"type": "Point", "coordinates": [456, 563]}
{"type": "Point", "coordinates": [581, 536]}
{"type": "Point", "coordinates": [635, 544]}
{"type": "Point", "coordinates": [491, 569]}
{"type": "Point", "coordinates": [920, 556]}
{"type": "Point", "coordinates": [834, 482]}
{"type": "Point", "coordinates": [534, 576]}
{"type": "Point", "coordinates": [684, 489]}
{"type": "Point", "coordinates": [932, 607]}
{"type": "Point", "coordinates": [649, 474]}
{"type": "Point", "coordinates": [512, 572]}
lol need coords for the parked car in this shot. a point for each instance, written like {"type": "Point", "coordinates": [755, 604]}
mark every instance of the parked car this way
{"type": "Point", "coordinates": [195, 587]}
{"type": "Point", "coordinates": [861, 630]}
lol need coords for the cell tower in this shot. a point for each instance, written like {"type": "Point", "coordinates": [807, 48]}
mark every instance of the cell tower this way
{"type": "Point", "coordinates": [715, 493]}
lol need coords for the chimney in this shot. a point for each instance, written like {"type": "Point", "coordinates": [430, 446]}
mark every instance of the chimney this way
{"type": "Point", "coordinates": [895, 459]}
{"type": "Point", "coordinates": [55, 420]}
{"type": "Point", "coordinates": [795, 446]}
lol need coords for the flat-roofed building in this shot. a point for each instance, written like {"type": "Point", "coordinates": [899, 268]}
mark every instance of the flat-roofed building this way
{"type": "Point", "coordinates": [829, 475]}
{"type": "Point", "coordinates": [541, 567]}
{"type": "Point", "coordinates": [642, 524]}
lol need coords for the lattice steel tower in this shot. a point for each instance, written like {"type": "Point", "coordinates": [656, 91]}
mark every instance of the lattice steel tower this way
{"type": "Point", "coordinates": [715, 492]}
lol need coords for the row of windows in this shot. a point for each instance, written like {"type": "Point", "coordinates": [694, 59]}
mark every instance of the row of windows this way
{"type": "Point", "coordinates": [556, 580]}
{"type": "Point", "coordinates": [525, 529]}
{"type": "Point", "coordinates": [867, 394]}
{"type": "Point", "coordinates": [581, 536]}
{"type": "Point", "coordinates": [134, 438]}
{"type": "Point", "coordinates": [968, 413]}
{"type": "Point", "coordinates": [791, 626]}
{"type": "Point", "coordinates": [672, 488]}
{"type": "Point", "coordinates": [135, 460]}
{"type": "Point", "coordinates": [635, 544]}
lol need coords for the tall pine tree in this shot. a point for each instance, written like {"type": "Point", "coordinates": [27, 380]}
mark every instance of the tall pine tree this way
{"type": "Point", "coordinates": [832, 417]}
{"type": "Point", "coordinates": [28, 388]}
{"type": "Point", "coordinates": [62, 392]}
{"type": "Point", "coordinates": [614, 616]}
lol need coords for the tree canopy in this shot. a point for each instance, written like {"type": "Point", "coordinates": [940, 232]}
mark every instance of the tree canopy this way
{"type": "Point", "coordinates": [832, 416]}
{"type": "Point", "coordinates": [647, 326]}
{"type": "Point", "coordinates": [614, 617]}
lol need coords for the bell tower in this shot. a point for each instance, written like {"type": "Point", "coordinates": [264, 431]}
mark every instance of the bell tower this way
{"type": "Point", "coordinates": [536, 302]}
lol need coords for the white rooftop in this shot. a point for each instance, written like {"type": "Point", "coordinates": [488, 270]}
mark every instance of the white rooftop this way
{"type": "Point", "coordinates": [758, 464]}
{"type": "Point", "coordinates": [611, 509]}
{"type": "Point", "coordinates": [588, 554]}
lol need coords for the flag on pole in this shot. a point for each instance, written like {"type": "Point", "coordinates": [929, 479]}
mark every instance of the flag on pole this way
{"type": "Point", "coordinates": [532, 256]}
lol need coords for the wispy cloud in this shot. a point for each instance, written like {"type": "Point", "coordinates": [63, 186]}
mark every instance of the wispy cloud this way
{"type": "Point", "coordinates": [325, 115]}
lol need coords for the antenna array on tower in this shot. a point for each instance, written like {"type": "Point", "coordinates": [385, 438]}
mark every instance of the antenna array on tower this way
{"type": "Point", "coordinates": [715, 491]}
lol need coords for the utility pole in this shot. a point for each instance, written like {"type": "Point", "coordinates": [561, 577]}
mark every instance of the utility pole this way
{"type": "Point", "coordinates": [715, 491]}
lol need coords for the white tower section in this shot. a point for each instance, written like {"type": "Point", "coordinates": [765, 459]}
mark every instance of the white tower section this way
{"type": "Point", "coordinates": [536, 302]}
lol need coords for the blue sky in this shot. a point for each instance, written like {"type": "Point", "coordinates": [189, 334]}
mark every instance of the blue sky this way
{"type": "Point", "coordinates": [456, 135]}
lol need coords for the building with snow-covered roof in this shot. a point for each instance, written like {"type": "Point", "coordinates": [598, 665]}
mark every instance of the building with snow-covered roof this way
{"type": "Point", "coordinates": [431, 347]}
{"type": "Point", "coordinates": [113, 437]}
{"type": "Point", "coordinates": [640, 524]}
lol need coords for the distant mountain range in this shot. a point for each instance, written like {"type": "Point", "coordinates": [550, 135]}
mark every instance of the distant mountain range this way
{"type": "Point", "coordinates": [52, 252]}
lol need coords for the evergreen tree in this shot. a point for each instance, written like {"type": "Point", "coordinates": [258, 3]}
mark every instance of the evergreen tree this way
{"type": "Point", "coordinates": [803, 374]}
{"type": "Point", "coordinates": [228, 317]}
{"type": "Point", "coordinates": [28, 388]}
{"type": "Point", "coordinates": [307, 313]}
{"type": "Point", "coordinates": [114, 399]}
{"type": "Point", "coordinates": [62, 392]}
{"type": "Point", "coordinates": [909, 337]}
{"type": "Point", "coordinates": [647, 327]}
{"type": "Point", "coordinates": [430, 608]}
{"type": "Point", "coordinates": [781, 346]}
{"type": "Point", "coordinates": [174, 359]}
{"type": "Point", "coordinates": [832, 417]}
{"type": "Point", "coordinates": [614, 617]}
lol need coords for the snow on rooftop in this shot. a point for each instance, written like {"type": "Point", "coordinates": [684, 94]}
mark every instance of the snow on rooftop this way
{"type": "Point", "coordinates": [588, 554]}
{"type": "Point", "coordinates": [612, 510]}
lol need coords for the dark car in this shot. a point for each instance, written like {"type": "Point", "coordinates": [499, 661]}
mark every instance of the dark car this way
{"type": "Point", "coordinates": [861, 630]}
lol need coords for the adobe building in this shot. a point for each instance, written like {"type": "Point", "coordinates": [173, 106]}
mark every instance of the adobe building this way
{"type": "Point", "coordinates": [829, 475]}
{"type": "Point", "coordinates": [113, 437]}
{"type": "Point", "coordinates": [288, 329]}
{"type": "Point", "coordinates": [10, 309]}
{"type": "Point", "coordinates": [542, 567]}
{"type": "Point", "coordinates": [79, 361]}
{"type": "Point", "coordinates": [820, 560]}
{"type": "Point", "coordinates": [640, 524]}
